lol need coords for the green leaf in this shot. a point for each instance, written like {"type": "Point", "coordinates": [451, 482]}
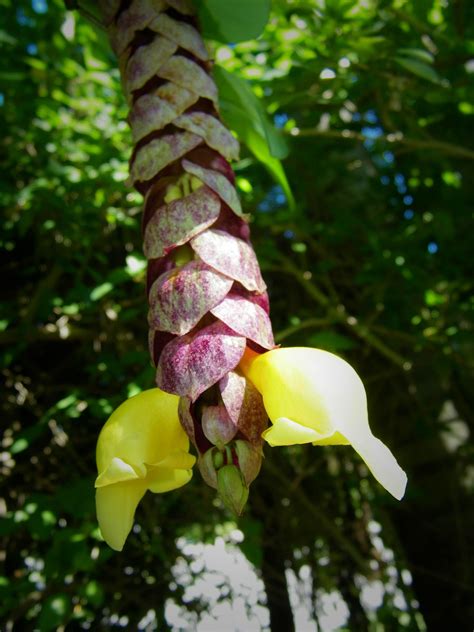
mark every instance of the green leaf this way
{"type": "Point", "coordinates": [27, 437]}
{"type": "Point", "coordinates": [233, 20]}
{"type": "Point", "coordinates": [94, 593]}
{"type": "Point", "coordinates": [419, 68]}
{"type": "Point", "coordinates": [7, 76]}
{"type": "Point", "coordinates": [101, 290]}
{"type": "Point", "coordinates": [417, 53]}
{"type": "Point", "coordinates": [243, 112]}
{"type": "Point", "coordinates": [6, 38]}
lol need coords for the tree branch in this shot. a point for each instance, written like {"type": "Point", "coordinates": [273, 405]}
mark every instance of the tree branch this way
{"type": "Point", "coordinates": [327, 525]}
{"type": "Point", "coordinates": [398, 138]}
{"type": "Point", "coordinates": [338, 314]}
{"type": "Point", "coordinates": [305, 324]}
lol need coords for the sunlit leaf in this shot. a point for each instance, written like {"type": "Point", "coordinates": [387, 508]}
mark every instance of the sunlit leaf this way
{"type": "Point", "coordinates": [243, 112]}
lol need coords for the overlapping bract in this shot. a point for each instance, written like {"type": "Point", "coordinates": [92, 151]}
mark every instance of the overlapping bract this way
{"type": "Point", "coordinates": [181, 164]}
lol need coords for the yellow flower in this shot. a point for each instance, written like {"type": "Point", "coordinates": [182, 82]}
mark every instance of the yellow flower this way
{"type": "Point", "coordinates": [313, 396]}
{"type": "Point", "coordinates": [141, 447]}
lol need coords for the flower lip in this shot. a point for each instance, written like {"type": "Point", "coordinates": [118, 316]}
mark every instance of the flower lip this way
{"type": "Point", "coordinates": [313, 396]}
{"type": "Point", "coordinates": [141, 447]}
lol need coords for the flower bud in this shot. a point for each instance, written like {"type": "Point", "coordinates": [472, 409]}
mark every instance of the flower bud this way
{"type": "Point", "coordinates": [208, 463]}
{"type": "Point", "coordinates": [232, 489]}
{"type": "Point", "coordinates": [217, 425]}
{"type": "Point", "coordinates": [250, 460]}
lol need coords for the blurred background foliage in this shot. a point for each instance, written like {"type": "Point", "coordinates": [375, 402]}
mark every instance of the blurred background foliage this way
{"type": "Point", "coordinates": [365, 110]}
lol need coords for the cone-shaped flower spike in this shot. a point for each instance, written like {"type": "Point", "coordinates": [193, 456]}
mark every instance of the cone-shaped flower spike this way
{"type": "Point", "coordinates": [313, 396]}
{"type": "Point", "coordinates": [207, 298]}
{"type": "Point", "coordinates": [141, 447]}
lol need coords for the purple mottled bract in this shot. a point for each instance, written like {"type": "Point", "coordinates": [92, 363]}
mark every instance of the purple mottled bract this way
{"type": "Point", "coordinates": [181, 297]}
{"type": "Point", "coordinates": [244, 406]}
{"type": "Point", "coordinates": [246, 318]}
{"type": "Point", "coordinates": [217, 426]}
{"type": "Point", "coordinates": [207, 297]}
{"type": "Point", "coordinates": [174, 224]}
{"type": "Point", "coordinates": [230, 255]}
{"type": "Point", "coordinates": [191, 364]}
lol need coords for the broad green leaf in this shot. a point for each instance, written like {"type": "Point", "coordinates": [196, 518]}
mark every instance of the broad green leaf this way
{"type": "Point", "coordinates": [243, 112]}
{"type": "Point", "coordinates": [233, 20]}
{"type": "Point", "coordinates": [236, 91]}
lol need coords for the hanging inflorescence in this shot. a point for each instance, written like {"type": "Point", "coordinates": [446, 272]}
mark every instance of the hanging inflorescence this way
{"type": "Point", "coordinates": [218, 373]}
{"type": "Point", "coordinates": [207, 298]}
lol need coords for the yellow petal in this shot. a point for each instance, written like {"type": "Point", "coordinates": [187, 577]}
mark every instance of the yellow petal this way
{"type": "Point", "coordinates": [311, 387]}
{"type": "Point", "coordinates": [321, 392]}
{"type": "Point", "coordinates": [115, 506]}
{"type": "Point", "coordinates": [382, 464]}
{"type": "Point", "coordinates": [164, 479]}
{"type": "Point", "coordinates": [144, 429]}
{"type": "Point", "coordinates": [119, 471]}
{"type": "Point", "coordinates": [287, 432]}
{"type": "Point", "coordinates": [179, 459]}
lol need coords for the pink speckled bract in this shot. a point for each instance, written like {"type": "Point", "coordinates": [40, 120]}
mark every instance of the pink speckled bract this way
{"type": "Point", "coordinates": [192, 363]}
{"type": "Point", "coordinates": [186, 73]}
{"type": "Point", "coordinates": [218, 183]}
{"type": "Point", "coordinates": [231, 256]}
{"type": "Point", "coordinates": [232, 388]}
{"type": "Point", "coordinates": [217, 425]}
{"type": "Point", "coordinates": [176, 223]}
{"type": "Point", "coordinates": [184, 35]}
{"type": "Point", "coordinates": [146, 61]}
{"type": "Point", "coordinates": [217, 136]}
{"type": "Point", "coordinates": [180, 298]}
{"type": "Point", "coordinates": [159, 153]}
{"type": "Point", "coordinates": [244, 404]}
{"type": "Point", "coordinates": [137, 17]}
{"type": "Point", "coordinates": [245, 318]}
{"type": "Point", "coordinates": [148, 113]}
